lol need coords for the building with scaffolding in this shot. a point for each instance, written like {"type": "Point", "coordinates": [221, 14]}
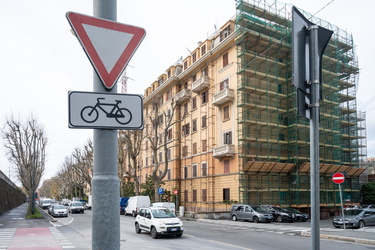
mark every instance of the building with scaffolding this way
{"type": "Point", "coordinates": [235, 133]}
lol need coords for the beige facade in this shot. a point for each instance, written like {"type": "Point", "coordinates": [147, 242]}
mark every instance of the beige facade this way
{"type": "Point", "coordinates": [236, 134]}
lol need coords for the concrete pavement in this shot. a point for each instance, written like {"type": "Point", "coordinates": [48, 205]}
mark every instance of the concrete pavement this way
{"type": "Point", "coordinates": [17, 233]}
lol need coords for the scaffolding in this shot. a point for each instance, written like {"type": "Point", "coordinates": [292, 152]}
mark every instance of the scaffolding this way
{"type": "Point", "coordinates": [269, 129]}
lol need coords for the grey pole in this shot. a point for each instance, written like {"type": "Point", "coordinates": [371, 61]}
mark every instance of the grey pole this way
{"type": "Point", "coordinates": [105, 181]}
{"type": "Point", "coordinates": [314, 138]}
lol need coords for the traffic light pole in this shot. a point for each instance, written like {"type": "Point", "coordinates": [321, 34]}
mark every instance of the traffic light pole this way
{"type": "Point", "coordinates": [105, 181]}
{"type": "Point", "coordinates": [314, 138]}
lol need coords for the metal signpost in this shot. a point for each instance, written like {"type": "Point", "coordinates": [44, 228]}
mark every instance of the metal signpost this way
{"type": "Point", "coordinates": [308, 44]}
{"type": "Point", "coordinates": [339, 178]}
{"type": "Point", "coordinates": [109, 46]}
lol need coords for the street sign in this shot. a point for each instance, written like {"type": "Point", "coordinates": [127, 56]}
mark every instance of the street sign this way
{"type": "Point", "coordinates": [175, 192]}
{"type": "Point", "coordinates": [338, 178]}
{"type": "Point", "coordinates": [109, 45]}
{"type": "Point", "coordinates": [161, 190]}
{"type": "Point", "coordinates": [102, 110]}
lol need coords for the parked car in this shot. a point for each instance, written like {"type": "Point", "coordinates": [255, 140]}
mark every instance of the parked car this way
{"type": "Point", "coordinates": [158, 221]}
{"type": "Point", "coordinates": [279, 214]}
{"type": "Point", "coordinates": [44, 203]}
{"type": "Point", "coordinates": [355, 218]}
{"type": "Point", "coordinates": [76, 207]}
{"type": "Point", "coordinates": [372, 206]}
{"type": "Point", "coordinates": [59, 211]}
{"type": "Point", "coordinates": [348, 207]}
{"type": "Point", "coordinates": [50, 208]}
{"type": "Point", "coordinates": [123, 204]}
{"type": "Point", "coordinates": [250, 213]}
{"type": "Point", "coordinates": [170, 205]}
{"type": "Point", "coordinates": [299, 215]}
{"type": "Point", "coordinates": [135, 203]}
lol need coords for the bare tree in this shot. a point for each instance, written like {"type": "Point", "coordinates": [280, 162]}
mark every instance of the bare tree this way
{"type": "Point", "coordinates": [25, 144]}
{"type": "Point", "coordinates": [130, 142]}
{"type": "Point", "coordinates": [160, 138]}
{"type": "Point", "coordinates": [84, 162]}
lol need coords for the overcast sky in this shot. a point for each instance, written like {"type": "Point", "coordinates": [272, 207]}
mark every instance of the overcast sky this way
{"type": "Point", "coordinates": [41, 60]}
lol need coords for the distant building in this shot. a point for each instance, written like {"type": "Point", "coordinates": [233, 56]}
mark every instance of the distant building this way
{"type": "Point", "coordinates": [241, 139]}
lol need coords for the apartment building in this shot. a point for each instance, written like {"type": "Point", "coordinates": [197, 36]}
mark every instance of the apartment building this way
{"type": "Point", "coordinates": [228, 115]}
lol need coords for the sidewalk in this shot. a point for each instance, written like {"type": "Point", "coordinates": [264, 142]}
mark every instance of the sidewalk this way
{"type": "Point", "coordinates": [18, 233]}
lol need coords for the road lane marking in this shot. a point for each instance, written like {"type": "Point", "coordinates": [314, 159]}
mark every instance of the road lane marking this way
{"type": "Point", "coordinates": [227, 244]}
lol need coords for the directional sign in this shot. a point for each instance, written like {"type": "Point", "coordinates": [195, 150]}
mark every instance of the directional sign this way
{"type": "Point", "coordinates": [338, 178]}
{"type": "Point", "coordinates": [102, 110]}
{"type": "Point", "coordinates": [161, 190]}
{"type": "Point", "coordinates": [108, 45]}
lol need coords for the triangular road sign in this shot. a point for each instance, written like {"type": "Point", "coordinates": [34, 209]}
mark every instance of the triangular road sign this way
{"type": "Point", "coordinates": [108, 45]}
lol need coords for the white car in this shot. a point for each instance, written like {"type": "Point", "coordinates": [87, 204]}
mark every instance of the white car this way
{"type": "Point", "coordinates": [59, 211]}
{"type": "Point", "coordinates": [158, 221]}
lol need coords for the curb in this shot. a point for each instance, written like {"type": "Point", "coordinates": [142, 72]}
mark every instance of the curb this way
{"type": "Point", "coordinates": [340, 238]}
{"type": "Point", "coordinates": [52, 219]}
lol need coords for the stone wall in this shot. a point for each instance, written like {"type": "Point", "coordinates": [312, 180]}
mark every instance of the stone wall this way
{"type": "Point", "coordinates": [10, 195]}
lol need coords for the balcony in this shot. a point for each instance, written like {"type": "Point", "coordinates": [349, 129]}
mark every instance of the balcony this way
{"type": "Point", "coordinates": [224, 96]}
{"type": "Point", "coordinates": [201, 84]}
{"type": "Point", "coordinates": [225, 150]}
{"type": "Point", "coordinates": [183, 95]}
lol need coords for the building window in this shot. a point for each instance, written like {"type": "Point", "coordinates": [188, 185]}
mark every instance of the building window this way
{"type": "Point", "coordinates": [228, 137]}
{"type": "Point", "coordinates": [169, 154]}
{"type": "Point", "coordinates": [194, 195]}
{"type": "Point", "coordinates": [170, 134]}
{"type": "Point", "coordinates": [194, 57]}
{"type": "Point", "coordinates": [147, 145]}
{"type": "Point", "coordinates": [204, 120]}
{"type": "Point", "coordinates": [161, 138]}
{"type": "Point", "coordinates": [168, 95]}
{"type": "Point", "coordinates": [184, 151]}
{"type": "Point", "coordinates": [224, 84]}
{"type": "Point", "coordinates": [204, 168]}
{"type": "Point", "coordinates": [203, 50]}
{"type": "Point", "coordinates": [205, 71]}
{"type": "Point", "coordinates": [186, 108]}
{"type": "Point", "coordinates": [194, 125]}
{"type": "Point", "coordinates": [226, 167]}
{"type": "Point", "coordinates": [185, 129]}
{"type": "Point", "coordinates": [225, 33]}
{"type": "Point", "coordinates": [204, 97]}
{"type": "Point", "coordinates": [204, 195]}
{"type": "Point", "coordinates": [194, 148]}
{"type": "Point", "coordinates": [186, 172]}
{"type": "Point", "coordinates": [186, 193]}
{"type": "Point", "coordinates": [194, 78]}
{"type": "Point", "coordinates": [204, 145]}
{"type": "Point", "coordinates": [226, 194]}
{"type": "Point", "coordinates": [168, 174]}
{"type": "Point", "coordinates": [225, 59]}
{"type": "Point", "coordinates": [160, 156]}
{"type": "Point", "coordinates": [185, 65]}
{"type": "Point", "coordinates": [194, 103]}
{"type": "Point", "coordinates": [226, 112]}
{"type": "Point", "coordinates": [169, 73]}
{"type": "Point", "coordinates": [146, 161]}
{"type": "Point", "coordinates": [194, 174]}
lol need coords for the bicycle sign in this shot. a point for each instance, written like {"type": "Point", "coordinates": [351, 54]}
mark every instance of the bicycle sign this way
{"type": "Point", "coordinates": [102, 110]}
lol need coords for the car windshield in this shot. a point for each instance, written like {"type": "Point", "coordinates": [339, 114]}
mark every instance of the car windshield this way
{"type": "Point", "coordinates": [279, 209]}
{"type": "Point", "coordinates": [258, 209]}
{"type": "Point", "coordinates": [59, 207]}
{"type": "Point", "coordinates": [353, 212]}
{"type": "Point", "coordinates": [162, 213]}
{"type": "Point", "coordinates": [289, 209]}
{"type": "Point", "coordinates": [77, 204]}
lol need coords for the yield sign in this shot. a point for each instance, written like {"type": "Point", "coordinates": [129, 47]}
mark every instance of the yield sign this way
{"type": "Point", "coordinates": [108, 45]}
{"type": "Point", "coordinates": [338, 178]}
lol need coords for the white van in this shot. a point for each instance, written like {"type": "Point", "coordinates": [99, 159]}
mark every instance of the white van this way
{"type": "Point", "coordinates": [170, 205]}
{"type": "Point", "coordinates": [135, 203]}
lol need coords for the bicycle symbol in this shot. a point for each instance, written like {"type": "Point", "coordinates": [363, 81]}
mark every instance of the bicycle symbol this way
{"type": "Point", "coordinates": [90, 113]}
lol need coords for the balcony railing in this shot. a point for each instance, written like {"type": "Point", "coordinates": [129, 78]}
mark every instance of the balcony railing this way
{"type": "Point", "coordinates": [224, 96]}
{"type": "Point", "coordinates": [225, 150]}
{"type": "Point", "coordinates": [183, 95]}
{"type": "Point", "coordinates": [200, 84]}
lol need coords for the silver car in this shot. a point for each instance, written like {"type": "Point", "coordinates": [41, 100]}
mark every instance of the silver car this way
{"type": "Point", "coordinates": [355, 218]}
{"type": "Point", "coordinates": [250, 213]}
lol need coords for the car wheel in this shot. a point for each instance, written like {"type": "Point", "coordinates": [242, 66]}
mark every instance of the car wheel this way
{"type": "Point", "coordinates": [361, 224]}
{"type": "Point", "coordinates": [256, 219]}
{"type": "Point", "coordinates": [279, 218]}
{"type": "Point", "coordinates": [234, 217]}
{"type": "Point", "coordinates": [137, 228]}
{"type": "Point", "coordinates": [154, 233]}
